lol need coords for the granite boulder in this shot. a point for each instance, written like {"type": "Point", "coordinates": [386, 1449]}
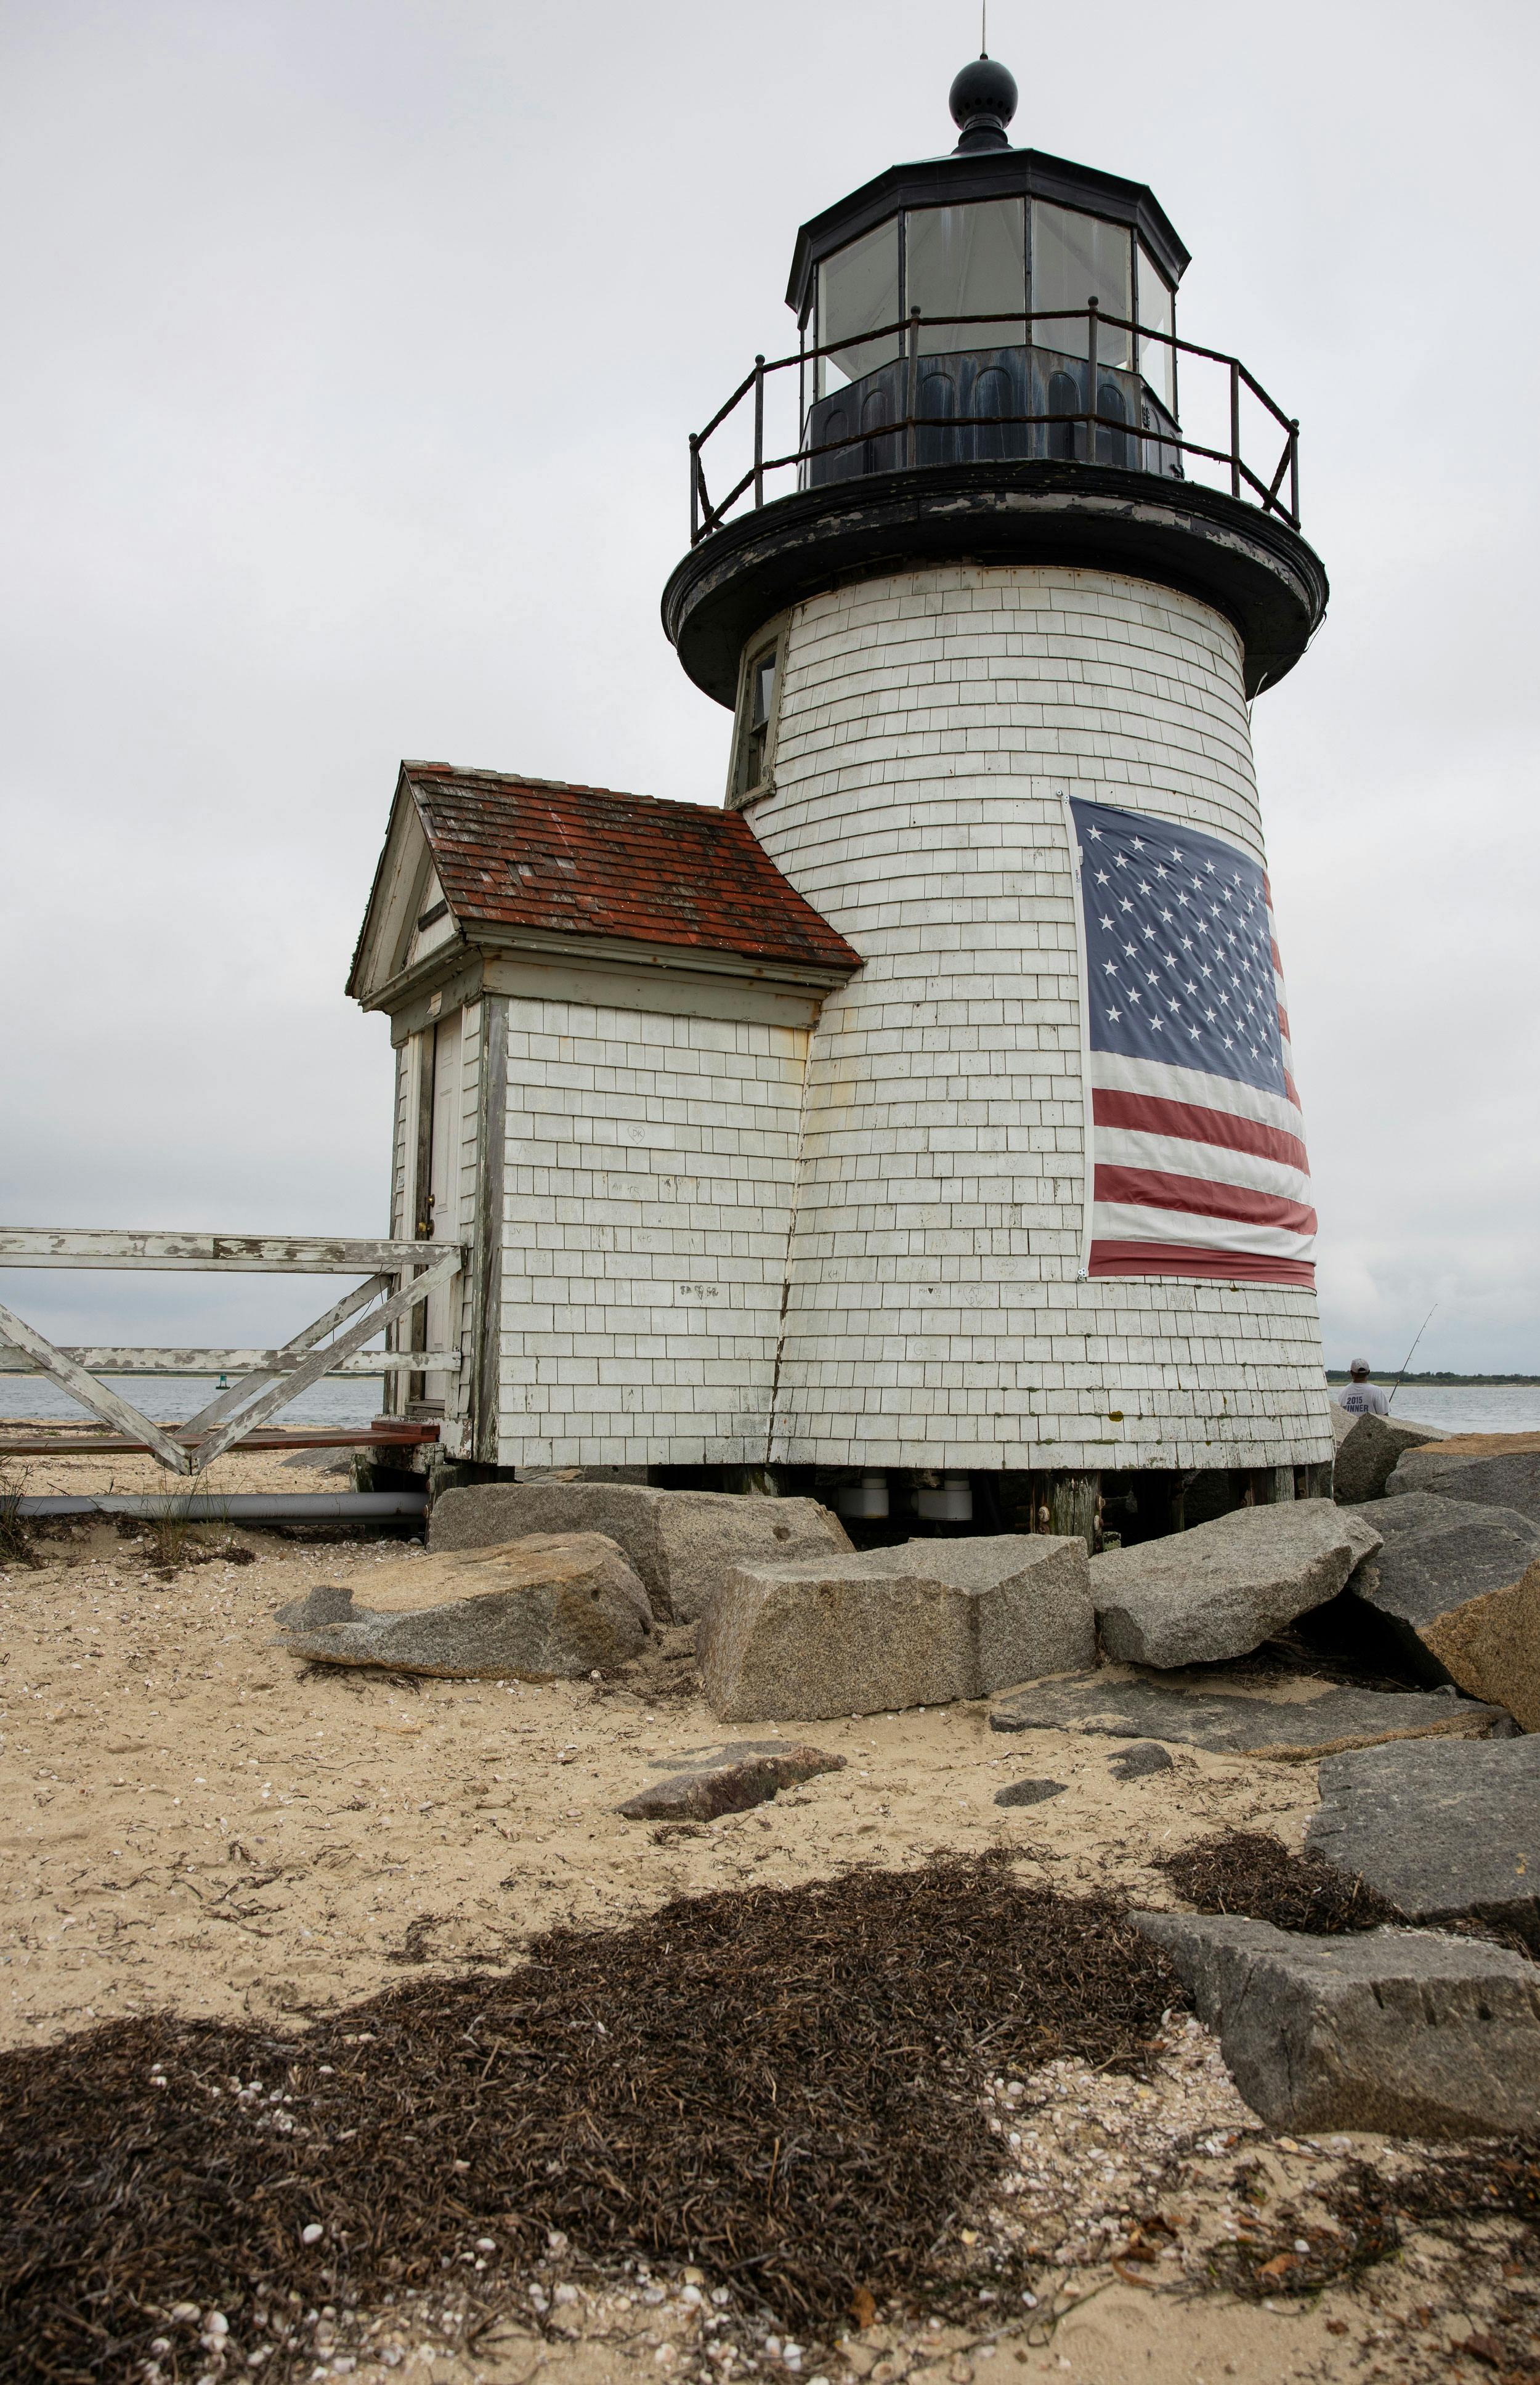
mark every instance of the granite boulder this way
{"type": "Point", "coordinates": [917, 1624]}
{"type": "Point", "coordinates": [1221, 1589]}
{"type": "Point", "coordinates": [682, 1543]}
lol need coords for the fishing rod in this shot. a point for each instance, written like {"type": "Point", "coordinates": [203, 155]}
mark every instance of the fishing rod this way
{"type": "Point", "coordinates": [1410, 1356]}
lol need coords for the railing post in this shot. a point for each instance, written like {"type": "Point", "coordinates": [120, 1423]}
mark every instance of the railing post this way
{"type": "Point", "coordinates": [1093, 326]}
{"type": "Point", "coordinates": [1294, 472]}
{"type": "Point", "coordinates": [1234, 428]}
{"type": "Point", "coordinates": [912, 403]}
{"type": "Point", "coordinates": [801, 403]}
{"type": "Point", "coordinates": [759, 430]}
{"type": "Point", "coordinates": [694, 488]}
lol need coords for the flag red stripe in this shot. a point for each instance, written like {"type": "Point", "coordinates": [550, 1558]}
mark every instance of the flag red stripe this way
{"type": "Point", "coordinates": [1182, 1258]}
{"type": "Point", "coordinates": [1191, 1122]}
{"type": "Point", "coordinates": [1151, 1188]}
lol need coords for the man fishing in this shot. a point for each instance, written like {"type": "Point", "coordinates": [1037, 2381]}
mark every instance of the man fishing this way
{"type": "Point", "coordinates": [1360, 1397]}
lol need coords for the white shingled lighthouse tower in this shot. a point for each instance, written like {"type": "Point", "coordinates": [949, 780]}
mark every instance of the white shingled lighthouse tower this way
{"type": "Point", "coordinates": [1005, 629]}
{"type": "Point", "coordinates": [919, 1129]}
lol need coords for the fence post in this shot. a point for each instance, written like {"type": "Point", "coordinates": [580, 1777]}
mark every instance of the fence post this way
{"type": "Point", "coordinates": [1093, 326]}
{"type": "Point", "coordinates": [759, 430]}
{"type": "Point", "coordinates": [912, 401]}
{"type": "Point", "coordinates": [694, 488]}
{"type": "Point", "coordinates": [1294, 472]}
{"type": "Point", "coordinates": [1234, 428]}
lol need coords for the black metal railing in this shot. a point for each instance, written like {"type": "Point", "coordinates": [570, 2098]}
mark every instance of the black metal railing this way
{"type": "Point", "coordinates": [1100, 426]}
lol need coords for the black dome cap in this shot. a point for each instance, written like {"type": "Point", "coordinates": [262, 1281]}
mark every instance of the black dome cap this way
{"type": "Point", "coordinates": [983, 100]}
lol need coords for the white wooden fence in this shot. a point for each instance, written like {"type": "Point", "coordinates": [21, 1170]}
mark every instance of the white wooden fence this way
{"type": "Point", "coordinates": [398, 1276]}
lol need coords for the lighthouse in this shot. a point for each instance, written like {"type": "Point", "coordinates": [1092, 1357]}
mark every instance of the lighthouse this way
{"type": "Point", "coordinates": [916, 1128]}
{"type": "Point", "coordinates": [990, 624]}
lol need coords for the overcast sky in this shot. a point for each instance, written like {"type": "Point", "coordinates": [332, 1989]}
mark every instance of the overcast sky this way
{"type": "Point", "coordinates": [351, 355]}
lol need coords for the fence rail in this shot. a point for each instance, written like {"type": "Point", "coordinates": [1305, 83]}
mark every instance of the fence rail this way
{"type": "Point", "coordinates": [109, 1359]}
{"type": "Point", "coordinates": [1266, 482]}
{"type": "Point", "coordinates": [105, 1246]}
{"type": "Point", "coordinates": [398, 1277]}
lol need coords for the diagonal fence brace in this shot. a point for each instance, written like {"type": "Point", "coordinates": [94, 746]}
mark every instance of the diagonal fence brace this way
{"type": "Point", "coordinates": [108, 1404]}
{"type": "Point", "coordinates": [225, 1401]}
{"type": "Point", "coordinates": [214, 1444]}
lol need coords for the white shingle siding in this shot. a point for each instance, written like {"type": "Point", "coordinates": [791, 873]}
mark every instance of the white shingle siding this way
{"type": "Point", "coordinates": [650, 1161]}
{"type": "Point", "coordinates": [911, 1176]}
{"type": "Point", "coordinates": [930, 725]}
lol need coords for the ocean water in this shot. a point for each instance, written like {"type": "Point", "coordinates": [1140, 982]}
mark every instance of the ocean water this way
{"type": "Point", "coordinates": [1467, 1407]}
{"type": "Point", "coordinates": [171, 1399]}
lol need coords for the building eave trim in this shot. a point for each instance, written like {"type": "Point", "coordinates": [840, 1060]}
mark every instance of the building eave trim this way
{"type": "Point", "coordinates": [455, 972]}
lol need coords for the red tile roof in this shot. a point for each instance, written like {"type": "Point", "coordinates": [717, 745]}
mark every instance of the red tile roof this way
{"type": "Point", "coordinates": [585, 861]}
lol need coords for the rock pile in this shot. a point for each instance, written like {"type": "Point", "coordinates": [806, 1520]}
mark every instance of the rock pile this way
{"type": "Point", "coordinates": [1427, 1796]}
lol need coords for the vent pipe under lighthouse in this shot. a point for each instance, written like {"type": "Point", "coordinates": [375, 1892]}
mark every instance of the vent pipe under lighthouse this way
{"type": "Point", "coordinates": [1004, 563]}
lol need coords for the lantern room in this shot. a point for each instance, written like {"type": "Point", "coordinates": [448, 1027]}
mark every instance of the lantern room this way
{"type": "Point", "coordinates": [987, 364]}
{"type": "Point", "coordinates": [996, 303]}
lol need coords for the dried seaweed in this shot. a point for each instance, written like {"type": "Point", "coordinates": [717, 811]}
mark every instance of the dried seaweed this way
{"type": "Point", "coordinates": [1292, 2253]}
{"type": "Point", "coordinates": [780, 2085]}
{"type": "Point", "coordinates": [1497, 2178]}
{"type": "Point", "coordinates": [1267, 2261]}
{"type": "Point", "coordinates": [1252, 1872]}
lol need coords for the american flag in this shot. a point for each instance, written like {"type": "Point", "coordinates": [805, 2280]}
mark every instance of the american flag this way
{"type": "Point", "coordinates": [1198, 1147]}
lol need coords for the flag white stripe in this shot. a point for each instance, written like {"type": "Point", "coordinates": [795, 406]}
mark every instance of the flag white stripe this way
{"type": "Point", "coordinates": [1119, 1072]}
{"type": "Point", "coordinates": [1117, 1221]}
{"type": "Point", "coordinates": [1119, 1146]}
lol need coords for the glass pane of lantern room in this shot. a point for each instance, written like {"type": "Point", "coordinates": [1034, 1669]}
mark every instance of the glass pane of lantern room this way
{"type": "Point", "coordinates": [1076, 257]}
{"type": "Point", "coordinates": [967, 261]}
{"type": "Point", "coordinates": [1156, 313]}
{"type": "Point", "coordinates": [858, 289]}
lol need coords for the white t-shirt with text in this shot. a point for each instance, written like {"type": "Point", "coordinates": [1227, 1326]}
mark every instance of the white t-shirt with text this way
{"type": "Point", "coordinates": [1362, 1399]}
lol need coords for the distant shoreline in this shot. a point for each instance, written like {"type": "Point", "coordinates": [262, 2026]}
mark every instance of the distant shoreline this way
{"type": "Point", "coordinates": [1455, 1382]}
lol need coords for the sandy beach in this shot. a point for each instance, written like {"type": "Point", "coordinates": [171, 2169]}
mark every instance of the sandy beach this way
{"type": "Point", "coordinates": [196, 1823]}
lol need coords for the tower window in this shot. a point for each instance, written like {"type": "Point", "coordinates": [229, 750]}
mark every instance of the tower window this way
{"type": "Point", "coordinates": [967, 261]}
{"type": "Point", "coordinates": [1075, 257]}
{"type": "Point", "coordinates": [858, 292]}
{"type": "Point", "coordinates": [756, 716]}
{"type": "Point", "coordinates": [1156, 313]}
